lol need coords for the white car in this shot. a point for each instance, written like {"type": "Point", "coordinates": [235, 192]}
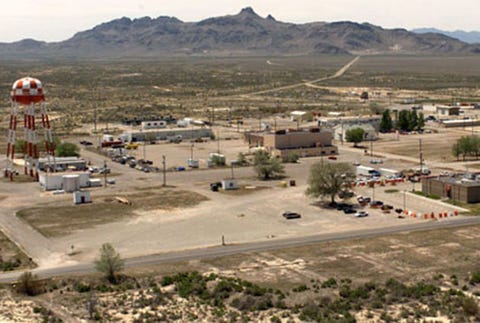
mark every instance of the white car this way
{"type": "Point", "coordinates": [361, 214]}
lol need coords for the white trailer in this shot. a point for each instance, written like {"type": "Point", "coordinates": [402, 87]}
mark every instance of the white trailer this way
{"type": "Point", "coordinates": [365, 170]}
{"type": "Point", "coordinates": [390, 172]}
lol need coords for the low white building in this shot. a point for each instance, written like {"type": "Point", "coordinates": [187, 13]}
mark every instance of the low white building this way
{"type": "Point", "coordinates": [297, 115]}
{"type": "Point", "coordinates": [64, 181]}
{"type": "Point", "coordinates": [81, 197]}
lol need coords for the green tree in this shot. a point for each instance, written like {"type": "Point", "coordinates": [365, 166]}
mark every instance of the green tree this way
{"type": "Point", "coordinates": [386, 124]}
{"type": "Point", "coordinates": [355, 135]}
{"type": "Point", "coordinates": [421, 121]}
{"type": "Point", "coordinates": [241, 159]}
{"type": "Point", "coordinates": [328, 179]}
{"type": "Point", "coordinates": [109, 263]}
{"type": "Point", "coordinates": [67, 149]}
{"type": "Point", "coordinates": [456, 150]}
{"type": "Point", "coordinates": [218, 160]}
{"type": "Point", "coordinates": [267, 166]}
{"type": "Point", "coordinates": [466, 146]}
{"type": "Point", "coordinates": [412, 120]}
{"type": "Point", "coordinates": [403, 121]}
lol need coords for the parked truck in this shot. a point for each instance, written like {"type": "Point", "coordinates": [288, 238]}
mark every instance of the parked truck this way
{"type": "Point", "coordinates": [367, 171]}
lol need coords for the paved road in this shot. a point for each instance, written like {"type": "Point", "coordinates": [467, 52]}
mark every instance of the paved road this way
{"type": "Point", "coordinates": [221, 251]}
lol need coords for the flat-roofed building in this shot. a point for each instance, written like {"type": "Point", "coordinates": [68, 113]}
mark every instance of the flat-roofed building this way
{"type": "Point", "coordinates": [458, 188]}
{"type": "Point", "coordinates": [304, 142]}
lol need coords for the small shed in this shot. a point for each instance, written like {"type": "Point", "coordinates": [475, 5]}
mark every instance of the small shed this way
{"type": "Point", "coordinates": [81, 197]}
{"type": "Point", "coordinates": [230, 184]}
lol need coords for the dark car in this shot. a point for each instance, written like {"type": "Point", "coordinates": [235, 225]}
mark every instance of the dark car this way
{"type": "Point", "coordinates": [376, 203]}
{"type": "Point", "coordinates": [343, 206]}
{"type": "Point", "coordinates": [291, 215]}
{"type": "Point", "coordinates": [86, 143]}
{"type": "Point", "coordinates": [349, 210]}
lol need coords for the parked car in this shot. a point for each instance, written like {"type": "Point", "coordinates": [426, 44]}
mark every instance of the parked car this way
{"type": "Point", "coordinates": [363, 199]}
{"type": "Point", "coordinates": [376, 161]}
{"type": "Point", "coordinates": [342, 206]}
{"type": "Point", "coordinates": [291, 215]}
{"type": "Point", "coordinates": [361, 214]}
{"type": "Point", "coordinates": [104, 170]}
{"type": "Point", "coordinates": [376, 203]}
{"type": "Point", "coordinates": [349, 210]}
{"type": "Point", "coordinates": [332, 157]}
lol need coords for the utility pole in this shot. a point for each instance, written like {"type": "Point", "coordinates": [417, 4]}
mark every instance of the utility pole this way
{"type": "Point", "coordinates": [164, 163]}
{"type": "Point", "coordinates": [191, 152]}
{"type": "Point", "coordinates": [231, 164]}
{"type": "Point", "coordinates": [95, 119]}
{"type": "Point", "coordinates": [145, 149]}
{"type": "Point", "coordinates": [218, 141]}
{"type": "Point", "coordinates": [213, 115]}
{"type": "Point", "coordinates": [420, 154]}
{"type": "Point", "coordinates": [105, 173]}
{"type": "Point", "coordinates": [371, 148]}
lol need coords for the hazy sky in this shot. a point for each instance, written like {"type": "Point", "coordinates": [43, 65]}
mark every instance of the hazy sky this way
{"type": "Point", "coordinates": [55, 20]}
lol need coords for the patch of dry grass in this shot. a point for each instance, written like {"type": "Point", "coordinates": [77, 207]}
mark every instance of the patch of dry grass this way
{"type": "Point", "coordinates": [54, 221]}
{"type": "Point", "coordinates": [406, 256]}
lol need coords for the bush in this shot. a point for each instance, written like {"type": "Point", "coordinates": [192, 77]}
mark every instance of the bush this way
{"type": "Point", "coordinates": [28, 284]}
{"type": "Point", "coordinates": [470, 306]}
{"type": "Point", "coordinates": [82, 288]}
{"type": "Point", "coordinates": [475, 279]}
{"type": "Point", "coordinates": [166, 281]}
{"type": "Point", "coordinates": [292, 158]}
{"type": "Point", "coordinates": [301, 288]}
{"type": "Point", "coordinates": [329, 283]}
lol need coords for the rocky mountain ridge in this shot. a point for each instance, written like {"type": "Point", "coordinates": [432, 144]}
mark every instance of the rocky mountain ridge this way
{"type": "Point", "coordinates": [243, 34]}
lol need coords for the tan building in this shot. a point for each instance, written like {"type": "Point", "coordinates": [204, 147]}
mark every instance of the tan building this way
{"type": "Point", "coordinates": [454, 188]}
{"type": "Point", "coordinates": [304, 142]}
{"type": "Point", "coordinates": [443, 110]}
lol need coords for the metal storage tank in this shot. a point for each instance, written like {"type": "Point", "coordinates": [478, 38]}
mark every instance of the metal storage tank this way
{"type": "Point", "coordinates": [71, 183]}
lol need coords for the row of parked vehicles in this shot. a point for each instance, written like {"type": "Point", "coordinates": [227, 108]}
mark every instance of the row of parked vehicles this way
{"type": "Point", "coordinates": [139, 164]}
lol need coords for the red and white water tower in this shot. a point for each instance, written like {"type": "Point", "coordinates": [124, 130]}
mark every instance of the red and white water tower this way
{"type": "Point", "coordinates": [27, 95]}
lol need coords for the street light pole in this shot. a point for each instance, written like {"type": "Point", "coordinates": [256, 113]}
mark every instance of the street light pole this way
{"type": "Point", "coordinates": [420, 155]}
{"type": "Point", "coordinates": [164, 163]}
